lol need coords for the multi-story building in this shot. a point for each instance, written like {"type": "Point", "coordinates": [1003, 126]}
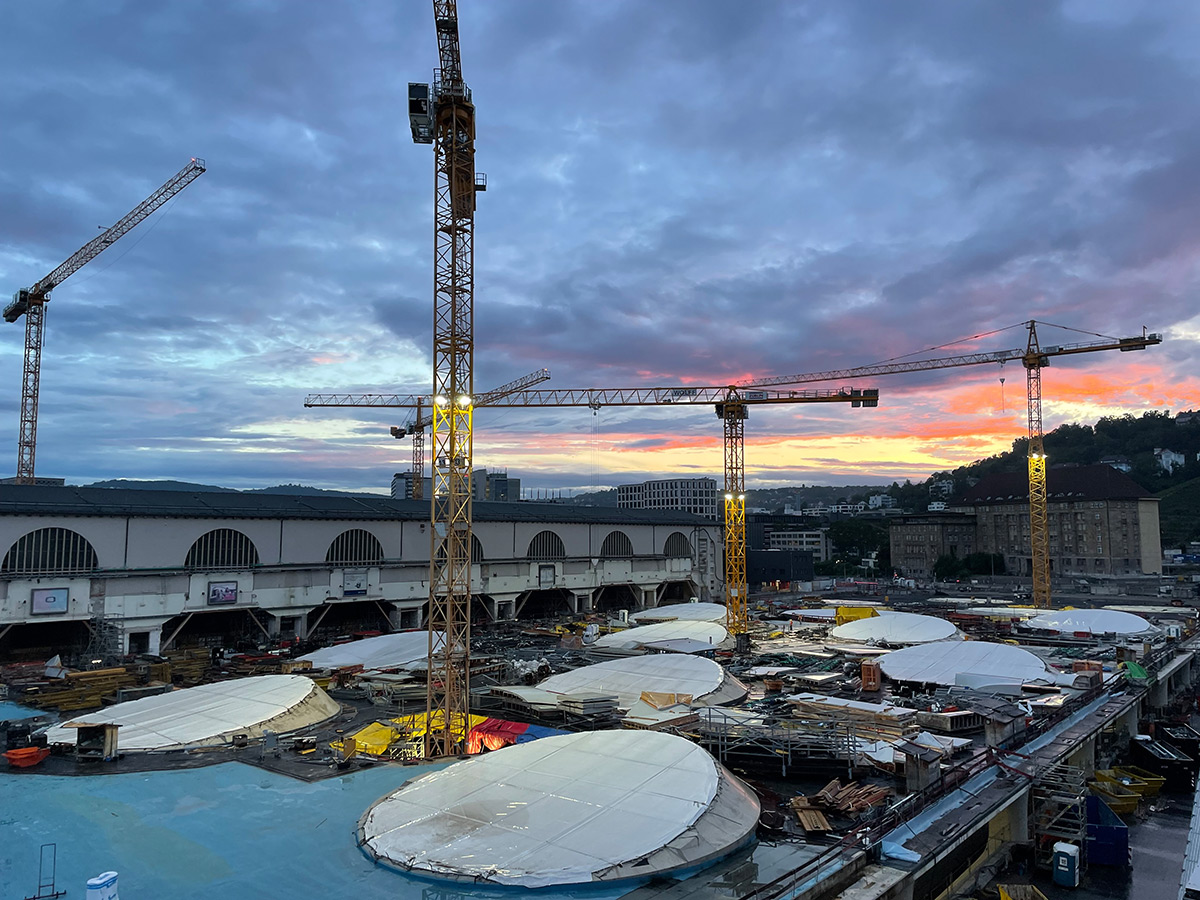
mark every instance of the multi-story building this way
{"type": "Point", "coordinates": [1101, 522]}
{"type": "Point", "coordinates": [402, 486]}
{"type": "Point", "coordinates": [918, 540]}
{"type": "Point", "coordinates": [175, 567]}
{"type": "Point", "coordinates": [881, 501]}
{"type": "Point", "coordinates": [814, 540]}
{"type": "Point", "coordinates": [692, 495]}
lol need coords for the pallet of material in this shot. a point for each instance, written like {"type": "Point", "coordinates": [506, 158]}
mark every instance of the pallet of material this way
{"type": "Point", "coordinates": [869, 720]}
{"type": "Point", "coordinates": [810, 818]}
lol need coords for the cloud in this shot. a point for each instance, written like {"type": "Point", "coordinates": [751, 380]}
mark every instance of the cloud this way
{"type": "Point", "coordinates": [677, 195]}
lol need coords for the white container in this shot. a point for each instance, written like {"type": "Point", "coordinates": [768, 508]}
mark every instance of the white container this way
{"type": "Point", "coordinates": [103, 887]}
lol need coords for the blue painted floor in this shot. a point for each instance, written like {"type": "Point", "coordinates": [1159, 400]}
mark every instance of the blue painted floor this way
{"type": "Point", "coordinates": [229, 830]}
{"type": "Point", "coordinates": [9, 711]}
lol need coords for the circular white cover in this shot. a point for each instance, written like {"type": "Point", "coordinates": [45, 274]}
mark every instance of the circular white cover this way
{"type": "Point", "coordinates": [1091, 621]}
{"type": "Point", "coordinates": [386, 651]}
{"type": "Point", "coordinates": [668, 673]}
{"type": "Point", "coordinates": [690, 612]}
{"type": "Point", "coordinates": [633, 638]}
{"type": "Point", "coordinates": [561, 810]}
{"type": "Point", "coordinates": [897, 628]}
{"type": "Point", "coordinates": [208, 713]}
{"type": "Point", "coordinates": [940, 662]}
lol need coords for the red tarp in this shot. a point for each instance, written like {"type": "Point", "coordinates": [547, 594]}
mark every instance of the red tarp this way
{"type": "Point", "coordinates": [493, 734]}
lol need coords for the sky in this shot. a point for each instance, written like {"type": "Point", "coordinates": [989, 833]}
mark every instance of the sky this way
{"type": "Point", "coordinates": [679, 193]}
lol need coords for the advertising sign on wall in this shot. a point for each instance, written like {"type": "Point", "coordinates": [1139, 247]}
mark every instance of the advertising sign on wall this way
{"type": "Point", "coordinates": [354, 583]}
{"type": "Point", "coordinates": [222, 593]}
{"type": "Point", "coordinates": [49, 601]}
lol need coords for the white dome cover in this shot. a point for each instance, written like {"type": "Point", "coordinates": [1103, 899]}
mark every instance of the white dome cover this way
{"type": "Point", "coordinates": [635, 638]}
{"type": "Point", "coordinates": [897, 628]}
{"type": "Point", "coordinates": [573, 809]}
{"type": "Point", "coordinates": [943, 661]}
{"type": "Point", "coordinates": [210, 714]}
{"type": "Point", "coordinates": [670, 673]}
{"type": "Point", "coordinates": [693, 612]}
{"type": "Point", "coordinates": [385, 651]}
{"type": "Point", "coordinates": [1092, 621]}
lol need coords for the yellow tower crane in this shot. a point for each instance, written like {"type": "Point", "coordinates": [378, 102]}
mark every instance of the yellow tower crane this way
{"type": "Point", "coordinates": [31, 303]}
{"type": "Point", "coordinates": [419, 421]}
{"type": "Point", "coordinates": [732, 406]}
{"type": "Point", "coordinates": [442, 114]}
{"type": "Point", "coordinates": [1034, 358]}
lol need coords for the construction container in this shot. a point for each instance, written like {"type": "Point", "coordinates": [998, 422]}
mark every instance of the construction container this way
{"type": "Point", "coordinates": [872, 676]}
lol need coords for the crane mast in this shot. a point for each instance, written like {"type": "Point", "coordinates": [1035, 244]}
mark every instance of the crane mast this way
{"type": "Point", "coordinates": [1033, 357]}
{"type": "Point", "coordinates": [416, 425]}
{"type": "Point", "coordinates": [31, 303]}
{"type": "Point", "coordinates": [442, 114]}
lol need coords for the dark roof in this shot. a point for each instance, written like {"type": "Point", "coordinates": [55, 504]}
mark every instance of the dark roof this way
{"type": "Point", "coordinates": [1101, 482]}
{"type": "Point", "coordinates": [22, 499]}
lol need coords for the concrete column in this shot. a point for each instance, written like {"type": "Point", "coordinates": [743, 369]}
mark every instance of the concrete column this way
{"type": "Point", "coordinates": [582, 601]}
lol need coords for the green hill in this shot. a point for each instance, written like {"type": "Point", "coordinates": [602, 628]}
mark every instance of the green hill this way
{"type": "Point", "coordinates": [1179, 512]}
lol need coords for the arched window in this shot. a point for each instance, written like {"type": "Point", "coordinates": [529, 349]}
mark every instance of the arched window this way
{"type": "Point", "coordinates": [616, 546]}
{"type": "Point", "coordinates": [50, 551]}
{"type": "Point", "coordinates": [355, 547]}
{"type": "Point", "coordinates": [546, 545]}
{"type": "Point", "coordinates": [222, 548]}
{"type": "Point", "coordinates": [476, 551]}
{"type": "Point", "coordinates": [678, 546]}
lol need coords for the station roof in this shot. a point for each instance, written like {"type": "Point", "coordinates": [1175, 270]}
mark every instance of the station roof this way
{"type": "Point", "coordinates": [701, 612]}
{"type": "Point", "coordinates": [385, 651]}
{"type": "Point", "coordinates": [51, 500]}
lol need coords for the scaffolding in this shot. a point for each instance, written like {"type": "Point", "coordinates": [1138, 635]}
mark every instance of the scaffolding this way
{"type": "Point", "coordinates": [1059, 799]}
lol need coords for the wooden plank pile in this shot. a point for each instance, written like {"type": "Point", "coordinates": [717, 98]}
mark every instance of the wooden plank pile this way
{"type": "Point", "coordinates": [190, 666]}
{"type": "Point", "coordinates": [82, 690]}
{"type": "Point", "coordinates": [810, 818]}
{"type": "Point", "coordinates": [873, 721]}
{"type": "Point", "coordinates": [851, 799]}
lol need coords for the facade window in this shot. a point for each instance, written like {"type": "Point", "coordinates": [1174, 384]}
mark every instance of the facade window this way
{"type": "Point", "coordinates": [50, 551]}
{"type": "Point", "coordinates": [546, 545]}
{"type": "Point", "coordinates": [678, 546]}
{"type": "Point", "coordinates": [616, 546]}
{"type": "Point", "coordinates": [476, 551]}
{"type": "Point", "coordinates": [355, 547]}
{"type": "Point", "coordinates": [222, 548]}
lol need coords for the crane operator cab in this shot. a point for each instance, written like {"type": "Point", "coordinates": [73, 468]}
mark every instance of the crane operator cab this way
{"type": "Point", "coordinates": [420, 115]}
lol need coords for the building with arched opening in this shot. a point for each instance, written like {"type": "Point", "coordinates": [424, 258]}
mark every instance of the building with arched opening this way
{"type": "Point", "coordinates": [164, 569]}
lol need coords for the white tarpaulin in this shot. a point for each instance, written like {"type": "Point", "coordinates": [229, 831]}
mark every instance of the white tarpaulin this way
{"type": "Point", "coordinates": [633, 638]}
{"type": "Point", "coordinates": [1092, 621]}
{"type": "Point", "coordinates": [942, 661]}
{"type": "Point", "coordinates": [669, 673]}
{"type": "Point", "coordinates": [897, 629]}
{"type": "Point", "coordinates": [210, 713]}
{"type": "Point", "coordinates": [386, 651]}
{"type": "Point", "coordinates": [571, 809]}
{"type": "Point", "coordinates": [687, 612]}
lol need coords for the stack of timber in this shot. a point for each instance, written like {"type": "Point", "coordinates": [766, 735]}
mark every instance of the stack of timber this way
{"type": "Point", "coordinates": [810, 818]}
{"type": "Point", "coordinates": [873, 721]}
{"type": "Point", "coordinates": [83, 690]}
{"type": "Point", "coordinates": [851, 799]}
{"type": "Point", "coordinates": [189, 667]}
{"type": "Point", "coordinates": [589, 704]}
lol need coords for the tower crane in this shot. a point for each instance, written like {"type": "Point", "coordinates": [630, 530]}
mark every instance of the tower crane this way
{"type": "Point", "coordinates": [31, 303]}
{"type": "Point", "coordinates": [1034, 357]}
{"type": "Point", "coordinates": [443, 115]}
{"type": "Point", "coordinates": [732, 406]}
{"type": "Point", "coordinates": [419, 421]}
